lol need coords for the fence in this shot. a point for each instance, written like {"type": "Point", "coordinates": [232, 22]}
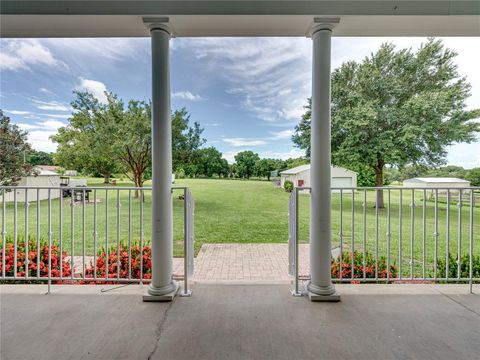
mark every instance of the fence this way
{"type": "Point", "coordinates": [98, 234]}
{"type": "Point", "coordinates": [417, 236]}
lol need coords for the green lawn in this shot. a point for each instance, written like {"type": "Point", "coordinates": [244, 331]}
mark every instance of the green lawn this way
{"type": "Point", "coordinates": [235, 211]}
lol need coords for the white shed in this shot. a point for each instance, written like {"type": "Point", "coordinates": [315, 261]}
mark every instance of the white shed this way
{"type": "Point", "coordinates": [435, 182]}
{"type": "Point", "coordinates": [43, 178]}
{"type": "Point", "coordinates": [300, 176]}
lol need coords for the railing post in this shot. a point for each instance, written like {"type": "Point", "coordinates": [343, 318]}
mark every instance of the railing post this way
{"type": "Point", "coordinates": [294, 235]}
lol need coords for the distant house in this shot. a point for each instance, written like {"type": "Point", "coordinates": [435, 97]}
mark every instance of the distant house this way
{"type": "Point", "coordinates": [300, 176]}
{"type": "Point", "coordinates": [40, 178]}
{"type": "Point", "coordinates": [48, 168]}
{"type": "Point", "coordinates": [435, 183]}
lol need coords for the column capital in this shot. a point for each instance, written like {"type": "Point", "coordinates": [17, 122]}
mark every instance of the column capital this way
{"type": "Point", "coordinates": [323, 23]}
{"type": "Point", "coordinates": [158, 23]}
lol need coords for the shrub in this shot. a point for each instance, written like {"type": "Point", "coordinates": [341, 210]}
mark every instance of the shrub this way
{"type": "Point", "coordinates": [32, 258]}
{"type": "Point", "coordinates": [101, 263]}
{"type": "Point", "coordinates": [358, 266]}
{"type": "Point", "coordinates": [288, 186]}
{"type": "Point", "coordinates": [453, 266]}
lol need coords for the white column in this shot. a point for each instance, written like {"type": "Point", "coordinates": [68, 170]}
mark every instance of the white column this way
{"type": "Point", "coordinates": [162, 287]}
{"type": "Point", "coordinates": [320, 287]}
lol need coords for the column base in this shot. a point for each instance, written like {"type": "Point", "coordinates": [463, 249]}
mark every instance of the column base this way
{"type": "Point", "coordinates": [153, 294]}
{"type": "Point", "coordinates": [328, 294]}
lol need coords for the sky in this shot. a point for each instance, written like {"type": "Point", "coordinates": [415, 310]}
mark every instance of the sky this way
{"type": "Point", "coordinates": [248, 93]}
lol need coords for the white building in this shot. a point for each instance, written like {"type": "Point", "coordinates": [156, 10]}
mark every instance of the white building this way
{"type": "Point", "coordinates": [435, 182]}
{"type": "Point", "coordinates": [43, 178]}
{"type": "Point", "coordinates": [300, 176]}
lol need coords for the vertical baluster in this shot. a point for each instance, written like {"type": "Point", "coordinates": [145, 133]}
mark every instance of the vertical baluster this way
{"type": "Point", "coordinates": [364, 234]}
{"type": "Point", "coordinates": [129, 234]}
{"type": "Point", "coordinates": [341, 234]}
{"type": "Point", "coordinates": [412, 234]}
{"type": "Point", "coordinates": [72, 234]}
{"type": "Point", "coordinates": [118, 234]}
{"type": "Point", "coordinates": [435, 237]}
{"type": "Point", "coordinates": [107, 263]}
{"type": "Point", "coordinates": [400, 235]}
{"type": "Point", "coordinates": [353, 233]}
{"type": "Point", "coordinates": [388, 234]}
{"type": "Point", "coordinates": [447, 238]}
{"type": "Point", "coordinates": [95, 234]}
{"type": "Point", "coordinates": [376, 235]}
{"type": "Point", "coordinates": [459, 258]}
{"type": "Point", "coordinates": [50, 238]}
{"type": "Point", "coordinates": [471, 242]}
{"type": "Point", "coordinates": [26, 205]}
{"type": "Point", "coordinates": [15, 234]}
{"type": "Point", "coordinates": [424, 231]}
{"type": "Point", "coordinates": [141, 236]}
{"type": "Point", "coordinates": [83, 233]}
{"type": "Point", "coordinates": [4, 232]}
{"type": "Point", "coordinates": [60, 234]}
{"type": "Point", "coordinates": [38, 233]}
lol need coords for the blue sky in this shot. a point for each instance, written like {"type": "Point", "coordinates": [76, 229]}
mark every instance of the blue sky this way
{"type": "Point", "coordinates": [248, 93]}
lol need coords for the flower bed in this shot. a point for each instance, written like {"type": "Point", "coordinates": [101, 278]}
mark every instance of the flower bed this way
{"type": "Point", "coordinates": [358, 270]}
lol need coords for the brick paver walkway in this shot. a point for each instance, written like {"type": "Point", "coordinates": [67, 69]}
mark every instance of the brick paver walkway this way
{"type": "Point", "coordinates": [236, 262]}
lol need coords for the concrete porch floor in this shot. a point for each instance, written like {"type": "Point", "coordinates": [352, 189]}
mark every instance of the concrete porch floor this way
{"type": "Point", "coordinates": [240, 321]}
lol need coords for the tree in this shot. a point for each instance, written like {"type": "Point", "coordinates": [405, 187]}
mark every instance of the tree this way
{"type": "Point", "coordinates": [245, 161]}
{"type": "Point", "coordinates": [40, 158]}
{"type": "Point", "coordinates": [85, 143]}
{"type": "Point", "coordinates": [211, 163]}
{"type": "Point", "coordinates": [264, 167]}
{"type": "Point", "coordinates": [186, 141]}
{"type": "Point", "coordinates": [131, 138]}
{"type": "Point", "coordinates": [396, 108]}
{"type": "Point", "coordinates": [473, 175]}
{"type": "Point", "coordinates": [13, 145]}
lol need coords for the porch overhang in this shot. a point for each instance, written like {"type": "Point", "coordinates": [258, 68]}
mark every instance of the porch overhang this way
{"type": "Point", "coordinates": [114, 18]}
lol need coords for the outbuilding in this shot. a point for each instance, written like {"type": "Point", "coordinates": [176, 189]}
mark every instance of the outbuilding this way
{"type": "Point", "coordinates": [40, 178]}
{"type": "Point", "coordinates": [435, 183]}
{"type": "Point", "coordinates": [300, 177]}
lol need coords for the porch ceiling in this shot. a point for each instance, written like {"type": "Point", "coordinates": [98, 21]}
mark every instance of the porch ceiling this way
{"type": "Point", "coordinates": [114, 18]}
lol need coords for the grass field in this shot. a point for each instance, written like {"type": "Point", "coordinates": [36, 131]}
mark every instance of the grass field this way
{"type": "Point", "coordinates": [236, 211]}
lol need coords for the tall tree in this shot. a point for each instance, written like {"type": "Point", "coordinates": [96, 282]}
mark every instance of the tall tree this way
{"type": "Point", "coordinates": [264, 167]}
{"type": "Point", "coordinates": [396, 108]}
{"type": "Point", "coordinates": [40, 158]}
{"type": "Point", "coordinates": [245, 161]}
{"type": "Point", "coordinates": [186, 140]}
{"type": "Point", "coordinates": [13, 146]}
{"type": "Point", "coordinates": [131, 140]}
{"type": "Point", "coordinates": [85, 143]}
{"type": "Point", "coordinates": [211, 163]}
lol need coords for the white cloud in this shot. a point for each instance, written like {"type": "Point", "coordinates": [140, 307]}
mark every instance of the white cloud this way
{"type": "Point", "coordinates": [46, 91]}
{"type": "Point", "coordinates": [211, 124]}
{"type": "Point", "coordinates": [17, 112]}
{"type": "Point", "coordinates": [284, 155]}
{"type": "Point", "coordinates": [270, 76]}
{"type": "Point", "coordinates": [285, 134]}
{"type": "Point", "coordinates": [187, 95]}
{"type": "Point", "coordinates": [97, 88]}
{"type": "Point", "coordinates": [51, 105]}
{"type": "Point", "coordinates": [39, 133]}
{"type": "Point", "coordinates": [23, 54]}
{"type": "Point", "coordinates": [237, 142]}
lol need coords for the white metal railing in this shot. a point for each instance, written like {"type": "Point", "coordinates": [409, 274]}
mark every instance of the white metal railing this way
{"type": "Point", "coordinates": [416, 237]}
{"type": "Point", "coordinates": [78, 244]}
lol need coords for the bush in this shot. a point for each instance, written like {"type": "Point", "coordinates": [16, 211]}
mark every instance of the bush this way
{"type": "Point", "coordinates": [288, 186]}
{"type": "Point", "coordinates": [32, 258]}
{"type": "Point", "coordinates": [101, 264]}
{"type": "Point", "coordinates": [453, 266]}
{"type": "Point", "coordinates": [358, 266]}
